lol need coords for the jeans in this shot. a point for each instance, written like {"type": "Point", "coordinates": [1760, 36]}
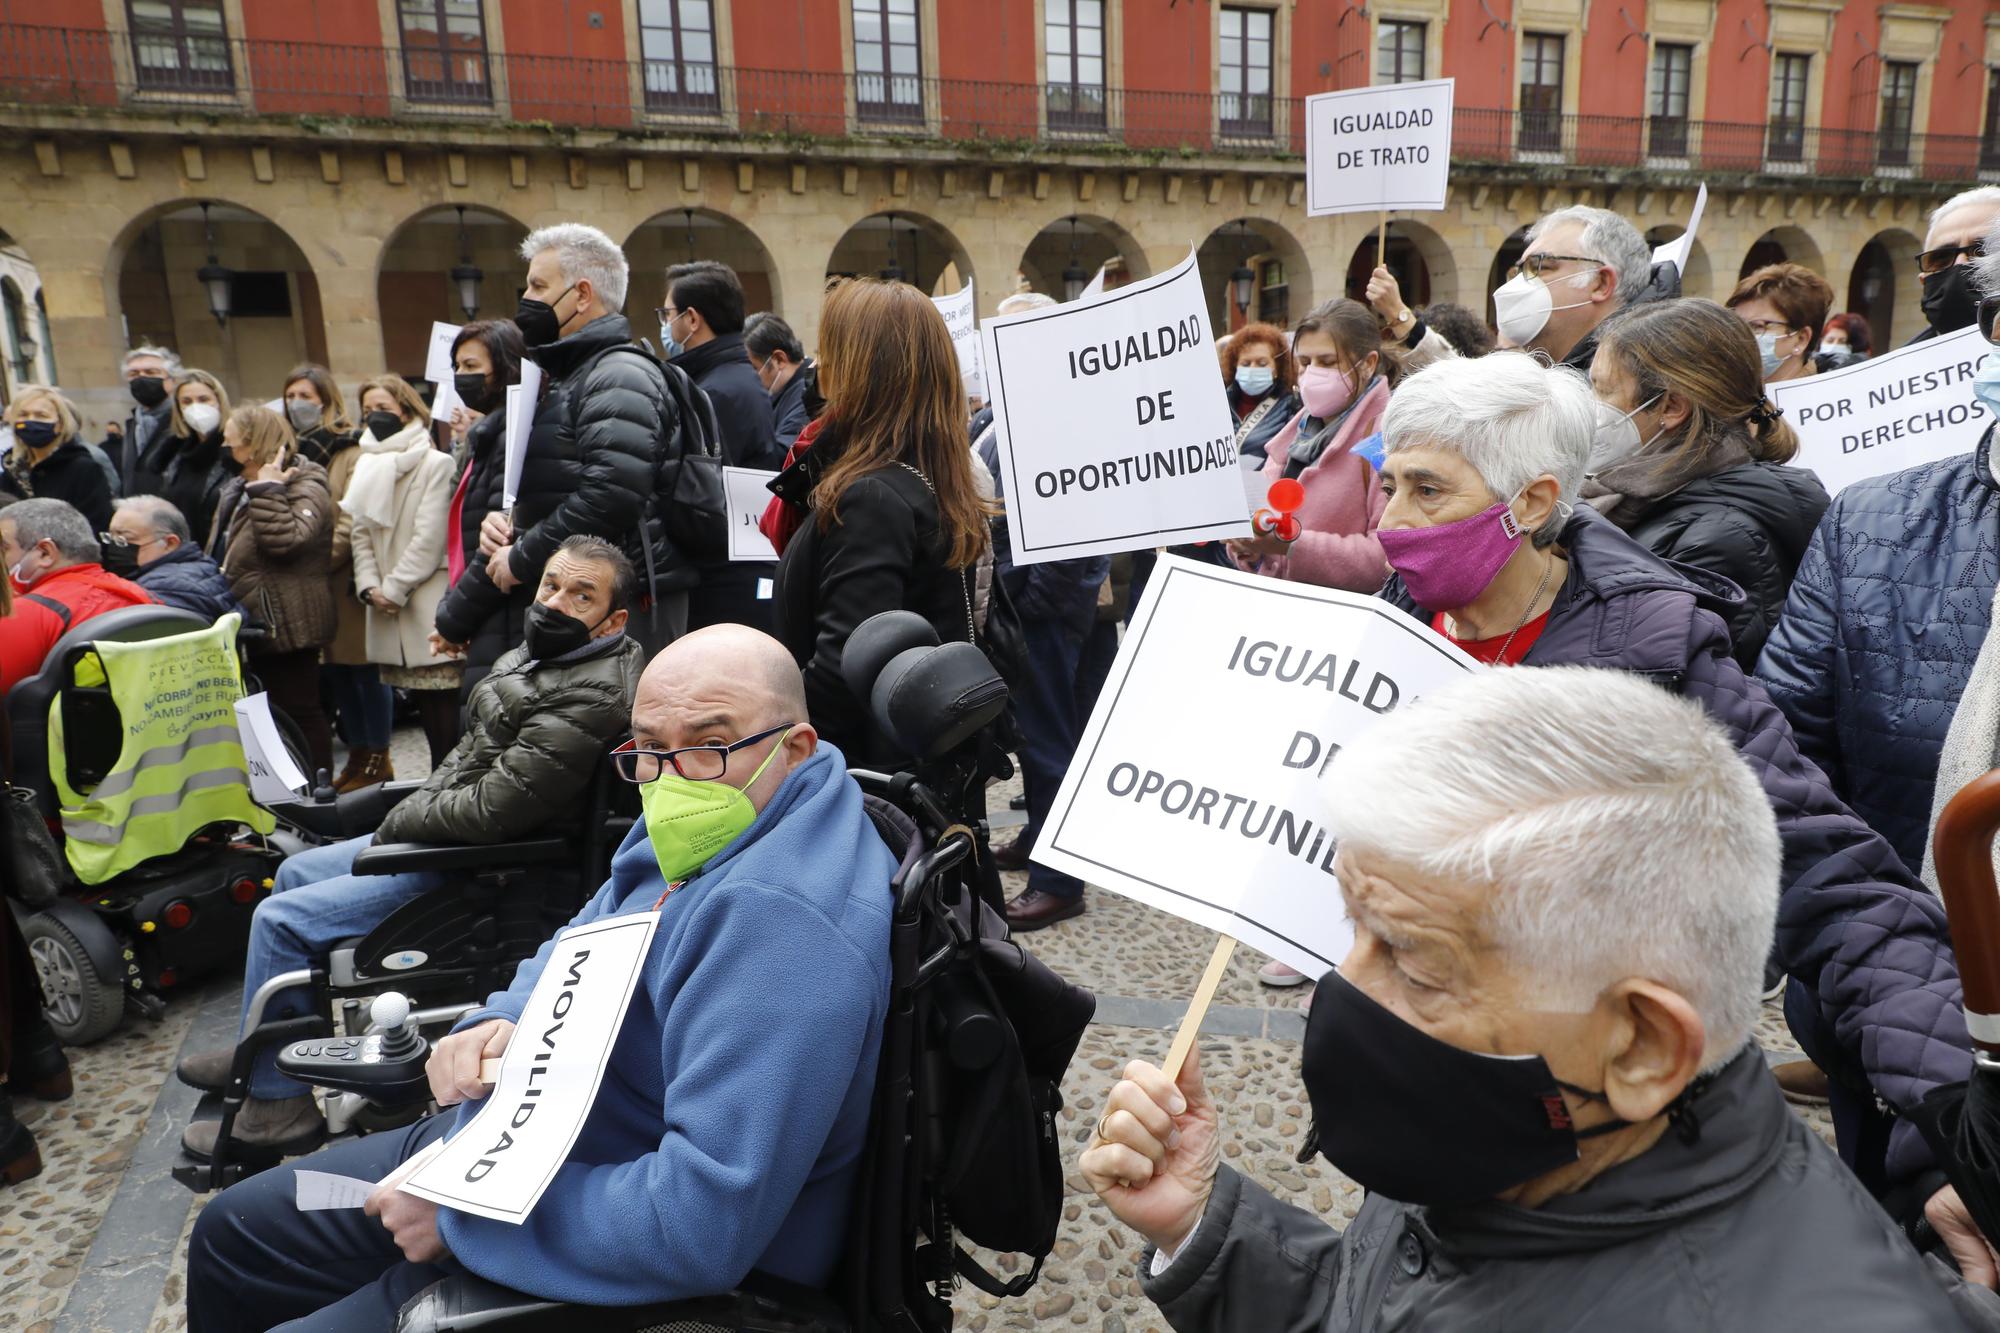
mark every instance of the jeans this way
{"type": "Point", "coordinates": [366, 706]}
{"type": "Point", "coordinates": [314, 904]}
{"type": "Point", "coordinates": [256, 1262]}
{"type": "Point", "coordinates": [1045, 709]}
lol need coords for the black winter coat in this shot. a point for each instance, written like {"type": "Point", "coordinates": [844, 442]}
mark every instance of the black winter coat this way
{"type": "Point", "coordinates": [69, 474]}
{"type": "Point", "coordinates": [1867, 942]}
{"type": "Point", "coordinates": [721, 369]}
{"type": "Point", "coordinates": [1749, 524]}
{"type": "Point", "coordinates": [141, 454]}
{"type": "Point", "coordinates": [1891, 604]}
{"type": "Point", "coordinates": [474, 612]}
{"type": "Point", "coordinates": [192, 476]}
{"type": "Point", "coordinates": [884, 552]}
{"type": "Point", "coordinates": [186, 577]}
{"type": "Point", "coordinates": [789, 412]}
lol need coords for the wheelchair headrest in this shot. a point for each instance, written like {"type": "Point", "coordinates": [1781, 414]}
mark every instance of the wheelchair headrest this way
{"type": "Point", "coordinates": [929, 701]}
{"type": "Point", "coordinates": [875, 641]}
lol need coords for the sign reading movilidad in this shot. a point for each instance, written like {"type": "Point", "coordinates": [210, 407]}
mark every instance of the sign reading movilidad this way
{"type": "Point", "coordinates": [1910, 406]}
{"type": "Point", "coordinates": [1373, 149]}
{"type": "Point", "coordinates": [1114, 429]}
{"type": "Point", "coordinates": [1196, 788]}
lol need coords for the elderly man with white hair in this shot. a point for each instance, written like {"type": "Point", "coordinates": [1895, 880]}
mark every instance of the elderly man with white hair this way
{"type": "Point", "coordinates": [1482, 464]}
{"type": "Point", "coordinates": [596, 448]}
{"type": "Point", "coordinates": [1536, 1056]}
{"type": "Point", "coordinates": [1958, 236]}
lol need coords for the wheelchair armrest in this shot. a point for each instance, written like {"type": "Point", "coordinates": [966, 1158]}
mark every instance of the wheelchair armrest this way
{"type": "Point", "coordinates": [396, 858]}
{"type": "Point", "coordinates": [463, 1302]}
{"type": "Point", "coordinates": [348, 815]}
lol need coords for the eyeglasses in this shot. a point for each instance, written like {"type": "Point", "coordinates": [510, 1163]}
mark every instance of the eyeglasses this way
{"type": "Point", "coordinates": [1942, 258]}
{"type": "Point", "coordinates": [1536, 265]}
{"type": "Point", "coordinates": [1762, 326]}
{"type": "Point", "coordinates": [697, 763]}
{"type": "Point", "coordinates": [668, 314]}
{"type": "Point", "coordinates": [1989, 310]}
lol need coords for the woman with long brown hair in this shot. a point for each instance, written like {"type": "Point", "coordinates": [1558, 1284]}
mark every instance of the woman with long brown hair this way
{"type": "Point", "coordinates": [896, 521]}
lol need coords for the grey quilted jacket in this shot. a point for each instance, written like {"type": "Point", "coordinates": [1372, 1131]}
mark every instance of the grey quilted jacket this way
{"type": "Point", "coordinates": [1855, 928]}
{"type": "Point", "coordinates": [1754, 1225]}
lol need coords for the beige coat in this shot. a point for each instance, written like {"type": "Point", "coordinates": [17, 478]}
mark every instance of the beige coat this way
{"type": "Point", "coordinates": [399, 548]}
{"type": "Point", "coordinates": [350, 636]}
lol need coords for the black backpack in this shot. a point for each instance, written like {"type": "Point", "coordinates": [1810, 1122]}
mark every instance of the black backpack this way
{"type": "Point", "coordinates": [687, 467]}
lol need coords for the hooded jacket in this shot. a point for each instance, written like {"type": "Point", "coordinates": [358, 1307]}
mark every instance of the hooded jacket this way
{"type": "Point", "coordinates": [728, 1131]}
{"type": "Point", "coordinates": [1751, 525]}
{"type": "Point", "coordinates": [186, 577]}
{"type": "Point", "coordinates": [1892, 601]}
{"type": "Point", "coordinates": [1754, 1225]}
{"type": "Point", "coordinates": [1855, 929]}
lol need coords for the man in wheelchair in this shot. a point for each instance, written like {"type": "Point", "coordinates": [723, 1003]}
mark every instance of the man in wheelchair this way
{"type": "Point", "coordinates": [52, 556]}
{"type": "Point", "coordinates": [728, 1129]}
{"type": "Point", "coordinates": [537, 728]}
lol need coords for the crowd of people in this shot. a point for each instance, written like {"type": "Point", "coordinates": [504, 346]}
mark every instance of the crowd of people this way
{"type": "Point", "coordinates": [1601, 481]}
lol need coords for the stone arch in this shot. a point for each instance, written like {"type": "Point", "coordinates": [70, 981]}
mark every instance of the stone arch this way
{"type": "Point", "coordinates": [413, 277]}
{"type": "Point", "coordinates": [1098, 242]}
{"type": "Point", "coordinates": [900, 243]}
{"type": "Point", "coordinates": [1782, 245]}
{"type": "Point", "coordinates": [1419, 258]}
{"type": "Point", "coordinates": [679, 234]}
{"type": "Point", "coordinates": [275, 319]}
{"type": "Point", "coordinates": [1282, 286]}
{"type": "Point", "coordinates": [1883, 287]}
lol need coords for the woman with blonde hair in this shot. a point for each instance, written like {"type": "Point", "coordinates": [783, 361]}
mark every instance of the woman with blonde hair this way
{"type": "Point", "coordinates": [1688, 451]}
{"type": "Point", "coordinates": [896, 521]}
{"type": "Point", "coordinates": [397, 503]}
{"type": "Point", "coordinates": [273, 537]}
{"type": "Point", "coordinates": [49, 460]}
{"type": "Point", "coordinates": [195, 465]}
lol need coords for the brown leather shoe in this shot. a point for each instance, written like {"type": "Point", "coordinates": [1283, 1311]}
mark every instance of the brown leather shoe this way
{"type": "Point", "coordinates": [285, 1127]}
{"type": "Point", "coordinates": [1803, 1082]}
{"type": "Point", "coordinates": [1013, 854]}
{"type": "Point", "coordinates": [206, 1071]}
{"type": "Point", "coordinates": [373, 768]}
{"type": "Point", "coordinates": [1035, 910]}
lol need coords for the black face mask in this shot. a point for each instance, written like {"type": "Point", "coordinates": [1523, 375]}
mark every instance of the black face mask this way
{"type": "Point", "coordinates": [474, 390]}
{"type": "Point", "coordinates": [551, 633]}
{"type": "Point", "coordinates": [382, 424]}
{"type": "Point", "coordinates": [1949, 302]}
{"type": "Point", "coordinates": [1424, 1122]}
{"type": "Point", "coordinates": [36, 434]}
{"type": "Point", "coordinates": [537, 319]}
{"type": "Point", "coordinates": [147, 390]}
{"type": "Point", "coordinates": [120, 558]}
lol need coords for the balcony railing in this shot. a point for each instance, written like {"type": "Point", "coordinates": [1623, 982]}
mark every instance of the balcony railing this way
{"type": "Point", "coordinates": [43, 65]}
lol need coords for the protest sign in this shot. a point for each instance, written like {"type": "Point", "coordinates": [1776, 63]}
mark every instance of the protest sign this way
{"type": "Point", "coordinates": [1114, 429]}
{"type": "Point", "coordinates": [274, 775]}
{"type": "Point", "coordinates": [1095, 287]}
{"type": "Point", "coordinates": [1372, 149]}
{"type": "Point", "coordinates": [1223, 824]}
{"type": "Point", "coordinates": [1913, 405]}
{"type": "Point", "coordinates": [438, 368]}
{"type": "Point", "coordinates": [521, 401]}
{"type": "Point", "coordinates": [961, 322]}
{"type": "Point", "coordinates": [499, 1162]}
{"type": "Point", "coordinates": [1677, 249]}
{"type": "Point", "coordinates": [747, 493]}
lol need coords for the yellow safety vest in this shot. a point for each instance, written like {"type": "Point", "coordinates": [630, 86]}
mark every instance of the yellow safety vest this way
{"type": "Point", "coordinates": [180, 760]}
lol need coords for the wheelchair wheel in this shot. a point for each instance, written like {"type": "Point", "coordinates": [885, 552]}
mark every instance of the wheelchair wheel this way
{"type": "Point", "coordinates": [81, 1004]}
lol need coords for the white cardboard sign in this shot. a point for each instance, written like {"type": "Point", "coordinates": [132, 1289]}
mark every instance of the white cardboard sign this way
{"type": "Point", "coordinates": [1677, 249]}
{"type": "Point", "coordinates": [1222, 823]}
{"type": "Point", "coordinates": [274, 776]}
{"type": "Point", "coordinates": [748, 494]}
{"type": "Point", "coordinates": [1373, 149]}
{"type": "Point", "coordinates": [499, 1163]}
{"type": "Point", "coordinates": [961, 321]}
{"type": "Point", "coordinates": [1910, 406]}
{"type": "Point", "coordinates": [437, 358]}
{"type": "Point", "coordinates": [521, 402]}
{"type": "Point", "coordinates": [1114, 429]}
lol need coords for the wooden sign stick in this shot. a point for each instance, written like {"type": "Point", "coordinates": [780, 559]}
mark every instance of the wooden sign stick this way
{"type": "Point", "coordinates": [1218, 963]}
{"type": "Point", "coordinates": [1381, 238]}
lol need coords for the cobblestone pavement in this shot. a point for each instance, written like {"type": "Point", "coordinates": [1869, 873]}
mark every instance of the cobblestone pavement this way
{"type": "Point", "coordinates": [1142, 964]}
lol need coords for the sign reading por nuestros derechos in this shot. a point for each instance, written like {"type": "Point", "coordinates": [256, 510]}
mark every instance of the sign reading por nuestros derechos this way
{"type": "Point", "coordinates": [1196, 788]}
{"type": "Point", "coordinates": [1373, 149]}
{"type": "Point", "coordinates": [961, 322]}
{"type": "Point", "coordinates": [1114, 428]}
{"type": "Point", "coordinates": [1910, 406]}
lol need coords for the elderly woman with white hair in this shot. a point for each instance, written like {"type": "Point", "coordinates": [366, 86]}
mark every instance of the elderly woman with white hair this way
{"type": "Point", "coordinates": [1537, 1055]}
{"type": "Point", "coordinates": [1482, 464]}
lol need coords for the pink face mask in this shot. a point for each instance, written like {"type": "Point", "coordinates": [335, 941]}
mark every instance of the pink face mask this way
{"type": "Point", "coordinates": [1447, 566]}
{"type": "Point", "coordinates": [1325, 392]}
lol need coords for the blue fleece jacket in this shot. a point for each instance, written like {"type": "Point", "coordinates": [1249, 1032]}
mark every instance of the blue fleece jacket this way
{"type": "Point", "coordinates": [729, 1126]}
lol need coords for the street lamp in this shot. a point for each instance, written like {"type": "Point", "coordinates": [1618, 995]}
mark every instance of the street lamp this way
{"type": "Point", "coordinates": [1073, 276]}
{"type": "Point", "coordinates": [465, 273]}
{"type": "Point", "coordinates": [213, 275]}
{"type": "Point", "coordinates": [1243, 281]}
{"type": "Point", "coordinates": [894, 271]}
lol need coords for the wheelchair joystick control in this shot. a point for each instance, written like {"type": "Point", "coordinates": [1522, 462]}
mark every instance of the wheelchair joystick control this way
{"type": "Point", "coordinates": [390, 1016]}
{"type": "Point", "coordinates": [386, 1064]}
{"type": "Point", "coordinates": [323, 791]}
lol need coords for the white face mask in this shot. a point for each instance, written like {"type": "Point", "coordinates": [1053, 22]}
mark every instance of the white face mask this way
{"type": "Point", "coordinates": [202, 417]}
{"type": "Point", "coordinates": [1617, 436]}
{"type": "Point", "coordinates": [1522, 305]}
{"type": "Point", "coordinates": [1767, 348]}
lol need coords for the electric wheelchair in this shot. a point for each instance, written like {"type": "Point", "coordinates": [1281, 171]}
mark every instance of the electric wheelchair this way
{"type": "Point", "coordinates": [902, 1259]}
{"type": "Point", "coordinates": [161, 917]}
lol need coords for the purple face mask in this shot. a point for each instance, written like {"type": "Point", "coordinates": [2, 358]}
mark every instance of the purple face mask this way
{"type": "Point", "coordinates": [1447, 566]}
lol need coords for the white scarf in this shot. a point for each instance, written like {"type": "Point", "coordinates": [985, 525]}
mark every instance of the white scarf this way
{"type": "Point", "coordinates": [1972, 744]}
{"type": "Point", "coordinates": [371, 491]}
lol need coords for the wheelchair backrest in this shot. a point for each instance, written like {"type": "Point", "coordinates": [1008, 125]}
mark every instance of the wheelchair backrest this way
{"type": "Point", "coordinates": [91, 725]}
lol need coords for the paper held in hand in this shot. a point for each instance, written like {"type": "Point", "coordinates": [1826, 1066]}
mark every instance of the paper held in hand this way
{"type": "Point", "coordinates": [274, 775]}
{"type": "Point", "coordinates": [499, 1163]}
{"type": "Point", "coordinates": [1678, 249]}
{"type": "Point", "coordinates": [522, 399]}
{"type": "Point", "coordinates": [961, 321]}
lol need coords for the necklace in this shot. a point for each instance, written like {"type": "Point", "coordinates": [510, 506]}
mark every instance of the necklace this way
{"type": "Point", "coordinates": [1540, 588]}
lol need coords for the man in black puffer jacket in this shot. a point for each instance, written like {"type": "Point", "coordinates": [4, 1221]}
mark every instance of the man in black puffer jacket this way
{"type": "Point", "coordinates": [595, 450]}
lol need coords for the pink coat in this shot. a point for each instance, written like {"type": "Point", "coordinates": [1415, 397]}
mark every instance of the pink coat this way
{"type": "Point", "coordinates": [1343, 505]}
